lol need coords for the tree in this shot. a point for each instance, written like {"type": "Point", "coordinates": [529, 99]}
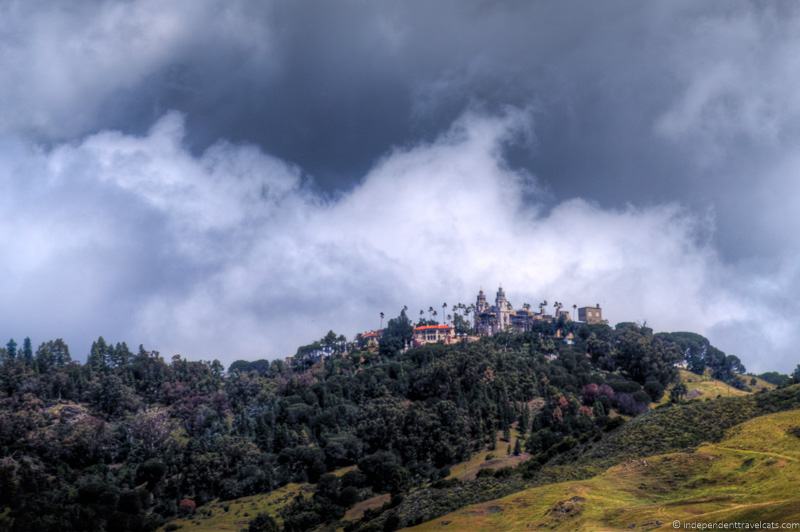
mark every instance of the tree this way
{"type": "Point", "coordinates": [27, 351]}
{"type": "Point", "coordinates": [399, 333]}
{"type": "Point", "coordinates": [461, 325]}
{"type": "Point", "coordinates": [263, 523]}
{"type": "Point", "coordinates": [11, 349]}
{"type": "Point", "coordinates": [517, 448]}
{"type": "Point", "coordinates": [778, 379]}
{"type": "Point", "coordinates": [796, 374]}
{"type": "Point", "coordinates": [384, 472]}
{"type": "Point", "coordinates": [52, 354]}
{"type": "Point", "coordinates": [524, 419]}
{"type": "Point", "coordinates": [97, 361]}
{"type": "Point", "coordinates": [678, 393]}
{"type": "Point", "coordinates": [644, 357]}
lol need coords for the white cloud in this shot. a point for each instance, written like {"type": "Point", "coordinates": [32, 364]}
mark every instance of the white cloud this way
{"type": "Point", "coordinates": [228, 254]}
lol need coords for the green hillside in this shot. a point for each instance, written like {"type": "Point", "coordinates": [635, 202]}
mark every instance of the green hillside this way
{"type": "Point", "coordinates": [674, 428]}
{"type": "Point", "coordinates": [750, 475]}
{"type": "Point", "coordinates": [700, 387]}
{"type": "Point", "coordinates": [363, 438]}
{"type": "Point", "coordinates": [233, 515]}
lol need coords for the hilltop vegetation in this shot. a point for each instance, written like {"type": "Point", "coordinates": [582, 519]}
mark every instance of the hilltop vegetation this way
{"type": "Point", "coordinates": [129, 441]}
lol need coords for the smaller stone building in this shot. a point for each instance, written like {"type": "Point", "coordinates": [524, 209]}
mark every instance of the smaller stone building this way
{"type": "Point", "coordinates": [591, 315]}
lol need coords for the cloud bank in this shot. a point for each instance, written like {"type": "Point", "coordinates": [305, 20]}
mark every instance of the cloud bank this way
{"type": "Point", "coordinates": [327, 162]}
{"type": "Point", "coordinates": [229, 253]}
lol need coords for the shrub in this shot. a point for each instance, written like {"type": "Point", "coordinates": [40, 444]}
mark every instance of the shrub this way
{"type": "Point", "coordinates": [263, 523]}
{"type": "Point", "coordinates": [504, 472]}
{"type": "Point", "coordinates": [187, 506]}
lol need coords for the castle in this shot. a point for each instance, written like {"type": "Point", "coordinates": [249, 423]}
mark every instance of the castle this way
{"type": "Point", "coordinates": [500, 317]}
{"type": "Point", "coordinates": [492, 319]}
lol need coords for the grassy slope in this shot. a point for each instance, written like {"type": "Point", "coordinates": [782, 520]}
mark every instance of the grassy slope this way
{"type": "Point", "coordinates": [704, 387]}
{"type": "Point", "coordinates": [664, 430]}
{"type": "Point", "coordinates": [500, 458]}
{"type": "Point", "coordinates": [212, 517]}
{"type": "Point", "coordinates": [760, 384]}
{"type": "Point", "coordinates": [356, 512]}
{"type": "Point", "coordinates": [750, 475]}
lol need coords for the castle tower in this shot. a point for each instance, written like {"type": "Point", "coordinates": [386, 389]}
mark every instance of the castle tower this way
{"type": "Point", "coordinates": [503, 309]}
{"type": "Point", "coordinates": [481, 305]}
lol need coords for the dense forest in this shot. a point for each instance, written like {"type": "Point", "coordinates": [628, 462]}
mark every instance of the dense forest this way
{"type": "Point", "coordinates": [128, 440]}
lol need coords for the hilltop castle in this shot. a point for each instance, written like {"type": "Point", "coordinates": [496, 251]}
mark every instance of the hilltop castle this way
{"type": "Point", "coordinates": [492, 319]}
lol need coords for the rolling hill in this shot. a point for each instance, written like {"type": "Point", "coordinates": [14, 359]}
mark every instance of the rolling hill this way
{"type": "Point", "coordinates": [750, 475]}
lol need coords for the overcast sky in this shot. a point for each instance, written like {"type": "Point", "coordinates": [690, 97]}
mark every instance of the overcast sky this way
{"type": "Point", "coordinates": [232, 179]}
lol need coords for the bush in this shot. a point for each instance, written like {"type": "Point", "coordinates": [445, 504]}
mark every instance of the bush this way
{"type": "Point", "coordinates": [446, 483]}
{"type": "Point", "coordinates": [654, 389]}
{"type": "Point", "coordinates": [613, 423]}
{"type": "Point", "coordinates": [263, 523]}
{"type": "Point", "coordinates": [187, 506]}
{"type": "Point", "coordinates": [392, 522]}
{"type": "Point", "coordinates": [504, 472]}
{"type": "Point", "coordinates": [349, 496]}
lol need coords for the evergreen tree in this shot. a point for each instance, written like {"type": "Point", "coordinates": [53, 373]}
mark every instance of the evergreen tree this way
{"type": "Point", "coordinates": [44, 358]}
{"type": "Point", "coordinates": [11, 349]}
{"type": "Point", "coordinates": [524, 419]}
{"type": "Point", "coordinates": [27, 352]}
{"type": "Point", "coordinates": [517, 448]}
{"type": "Point", "coordinates": [97, 360]}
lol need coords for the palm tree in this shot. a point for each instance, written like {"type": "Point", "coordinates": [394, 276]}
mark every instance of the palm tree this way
{"type": "Point", "coordinates": [444, 308]}
{"type": "Point", "coordinates": [430, 312]}
{"type": "Point", "coordinates": [574, 310]}
{"type": "Point", "coordinates": [382, 315]}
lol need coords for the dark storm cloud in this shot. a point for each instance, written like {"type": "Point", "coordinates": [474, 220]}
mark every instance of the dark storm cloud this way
{"type": "Point", "coordinates": [331, 86]}
{"type": "Point", "coordinates": [681, 114]}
